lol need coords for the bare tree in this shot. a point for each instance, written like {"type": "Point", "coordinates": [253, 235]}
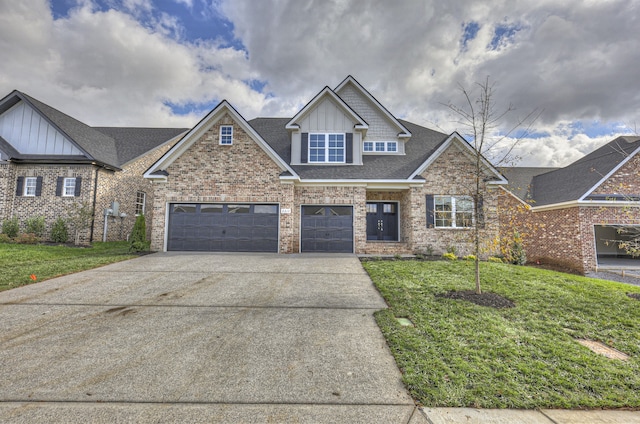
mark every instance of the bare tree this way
{"type": "Point", "coordinates": [478, 115]}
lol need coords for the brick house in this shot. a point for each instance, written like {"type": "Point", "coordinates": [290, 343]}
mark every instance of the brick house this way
{"type": "Point", "coordinates": [49, 160]}
{"type": "Point", "coordinates": [577, 215]}
{"type": "Point", "coordinates": [342, 175]}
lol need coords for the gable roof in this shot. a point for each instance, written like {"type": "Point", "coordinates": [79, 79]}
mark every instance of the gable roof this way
{"type": "Point", "coordinates": [424, 143]}
{"type": "Point", "coordinates": [158, 169]}
{"type": "Point", "coordinates": [349, 80]}
{"type": "Point", "coordinates": [520, 179]}
{"type": "Point", "coordinates": [324, 93]}
{"type": "Point", "coordinates": [576, 181]}
{"type": "Point", "coordinates": [111, 147]}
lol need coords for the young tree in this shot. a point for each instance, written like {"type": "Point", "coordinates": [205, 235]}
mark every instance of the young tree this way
{"type": "Point", "coordinates": [478, 115]}
{"type": "Point", "coordinates": [80, 216]}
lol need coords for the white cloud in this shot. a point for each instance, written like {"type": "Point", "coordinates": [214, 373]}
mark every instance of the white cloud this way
{"type": "Point", "coordinates": [577, 60]}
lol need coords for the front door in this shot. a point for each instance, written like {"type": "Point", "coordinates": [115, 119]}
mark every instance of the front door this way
{"type": "Point", "coordinates": [382, 221]}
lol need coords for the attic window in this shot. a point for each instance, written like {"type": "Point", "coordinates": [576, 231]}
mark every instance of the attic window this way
{"type": "Point", "coordinates": [226, 135]}
{"type": "Point", "coordinates": [325, 148]}
{"type": "Point", "coordinates": [380, 146]}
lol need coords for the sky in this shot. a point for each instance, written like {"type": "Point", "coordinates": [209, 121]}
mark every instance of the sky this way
{"type": "Point", "coordinates": [573, 63]}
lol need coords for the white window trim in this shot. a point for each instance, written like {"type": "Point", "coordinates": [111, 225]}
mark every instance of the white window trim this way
{"type": "Point", "coordinates": [386, 147]}
{"type": "Point", "coordinates": [26, 186]}
{"type": "Point", "coordinates": [326, 147]}
{"type": "Point", "coordinates": [144, 202]}
{"type": "Point", "coordinates": [453, 212]}
{"type": "Point", "coordinates": [64, 187]}
{"type": "Point", "coordinates": [226, 135]}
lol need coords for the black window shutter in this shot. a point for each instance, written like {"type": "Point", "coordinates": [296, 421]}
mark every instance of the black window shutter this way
{"type": "Point", "coordinates": [38, 186]}
{"type": "Point", "coordinates": [480, 217]}
{"type": "Point", "coordinates": [78, 186]}
{"type": "Point", "coordinates": [19, 186]}
{"type": "Point", "coordinates": [304, 148]}
{"type": "Point", "coordinates": [431, 217]}
{"type": "Point", "coordinates": [349, 147]}
{"type": "Point", "coordinates": [59, 183]}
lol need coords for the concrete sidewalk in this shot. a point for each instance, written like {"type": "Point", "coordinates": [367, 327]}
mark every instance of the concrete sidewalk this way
{"type": "Point", "coordinates": [515, 416]}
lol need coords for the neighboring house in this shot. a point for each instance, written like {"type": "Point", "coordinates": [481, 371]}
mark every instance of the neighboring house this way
{"type": "Point", "coordinates": [578, 213]}
{"type": "Point", "coordinates": [342, 175]}
{"type": "Point", "coordinates": [49, 160]}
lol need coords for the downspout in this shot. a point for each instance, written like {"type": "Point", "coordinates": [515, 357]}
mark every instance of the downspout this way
{"type": "Point", "coordinates": [93, 208]}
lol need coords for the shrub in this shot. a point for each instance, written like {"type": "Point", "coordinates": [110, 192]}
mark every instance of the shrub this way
{"type": "Point", "coordinates": [449, 256]}
{"type": "Point", "coordinates": [495, 259]}
{"type": "Point", "coordinates": [516, 253]}
{"type": "Point", "coordinates": [5, 238]}
{"type": "Point", "coordinates": [397, 256]}
{"type": "Point", "coordinates": [27, 238]}
{"type": "Point", "coordinates": [11, 227]}
{"type": "Point", "coordinates": [452, 250]}
{"type": "Point", "coordinates": [59, 231]}
{"type": "Point", "coordinates": [138, 241]}
{"type": "Point", "coordinates": [35, 225]}
{"type": "Point", "coordinates": [470, 258]}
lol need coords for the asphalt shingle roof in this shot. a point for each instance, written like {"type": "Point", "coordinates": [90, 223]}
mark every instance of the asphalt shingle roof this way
{"type": "Point", "coordinates": [520, 179]}
{"type": "Point", "coordinates": [422, 144]}
{"type": "Point", "coordinates": [573, 181]}
{"type": "Point", "coordinates": [133, 142]}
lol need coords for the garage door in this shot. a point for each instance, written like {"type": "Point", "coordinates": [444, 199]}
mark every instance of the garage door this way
{"type": "Point", "coordinates": [223, 227]}
{"type": "Point", "coordinates": [327, 229]}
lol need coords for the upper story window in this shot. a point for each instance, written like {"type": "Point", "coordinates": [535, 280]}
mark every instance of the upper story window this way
{"type": "Point", "coordinates": [380, 146]}
{"type": "Point", "coordinates": [226, 135]}
{"type": "Point", "coordinates": [453, 211]}
{"type": "Point", "coordinates": [69, 187]}
{"type": "Point", "coordinates": [141, 199]}
{"type": "Point", "coordinates": [30, 184]}
{"type": "Point", "coordinates": [326, 148]}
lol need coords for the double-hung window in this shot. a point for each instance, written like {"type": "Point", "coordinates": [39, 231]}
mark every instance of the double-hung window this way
{"type": "Point", "coordinates": [30, 184]}
{"type": "Point", "coordinates": [453, 211]}
{"type": "Point", "coordinates": [141, 198]}
{"type": "Point", "coordinates": [69, 187]}
{"type": "Point", "coordinates": [226, 135]}
{"type": "Point", "coordinates": [326, 148]}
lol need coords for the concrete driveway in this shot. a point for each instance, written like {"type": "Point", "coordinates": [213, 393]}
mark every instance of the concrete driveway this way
{"type": "Point", "coordinates": [176, 337]}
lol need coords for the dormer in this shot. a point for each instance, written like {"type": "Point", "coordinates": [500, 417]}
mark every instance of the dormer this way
{"type": "Point", "coordinates": [327, 132]}
{"type": "Point", "coordinates": [386, 135]}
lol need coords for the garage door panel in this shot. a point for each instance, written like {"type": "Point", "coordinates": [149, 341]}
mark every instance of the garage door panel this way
{"type": "Point", "coordinates": [327, 229]}
{"type": "Point", "coordinates": [223, 227]}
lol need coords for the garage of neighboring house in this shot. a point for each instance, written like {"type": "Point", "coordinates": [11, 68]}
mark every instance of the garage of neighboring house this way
{"type": "Point", "coordinates": [223, 227]}
{"type": "Point", "coordinates": [610, 244]}
{"type": "Point", "coordinates": [326, 229]}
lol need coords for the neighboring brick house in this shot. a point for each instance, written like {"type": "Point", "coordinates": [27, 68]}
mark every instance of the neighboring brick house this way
{"type": "Point", "coordinates": [342, 175]}
{"type": "Point", "coordinates": [49, 160]}
{"type": "Point", "coordinates": [578, 213]}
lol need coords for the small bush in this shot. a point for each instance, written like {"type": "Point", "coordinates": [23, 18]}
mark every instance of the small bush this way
{"type": "Point", "coordinates": [11, 227]}
{"type": "Point", "coordinates": [452, 250]}
{"type": "Point", "coordinates": [419, 256]}
{"type": "Point", "coordinates": [516, 253]}
{"type": "Point", "coordinates": [59, 231]}
{"type": "Point", "coordinates": [449, 256]}
{"type": "Point", "coordinates": [27, 238]}
{"type": "Point", "coordinates": [35, 225]}
{"type": "Point", "coordinates": [397, 256]}
{"type": "Point", "coordinates": [470, 258]}
{"type": "Point", "coordinates": [138, 240]}
{"type": "Point", "coordinates": [495, 259]}
{"type": "Point", "coordinates": [5, 238]}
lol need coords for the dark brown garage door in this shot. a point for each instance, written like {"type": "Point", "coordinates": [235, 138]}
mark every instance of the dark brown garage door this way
{"type": "Point", "coordinates": [223, 227]}
{"type": "Point", "coordinates": [327, 229]}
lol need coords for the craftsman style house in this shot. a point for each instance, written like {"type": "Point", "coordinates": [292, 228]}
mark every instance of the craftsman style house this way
{"type": "Point", "coordinates": [342, 175]}
{"type": "Point", "coordinates": [50, 161]}
{"type": "Point", "coordinates": [580, 214]}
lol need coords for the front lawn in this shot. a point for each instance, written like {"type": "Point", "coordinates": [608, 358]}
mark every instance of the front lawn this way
{"type": "Point", "coordinates": [19, 261]}
{"type": "Point", "coordinates": [461, 354]}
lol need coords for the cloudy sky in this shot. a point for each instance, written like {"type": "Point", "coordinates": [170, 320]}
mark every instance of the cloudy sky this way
{"type": "Point", "coordinates": [168, 62]}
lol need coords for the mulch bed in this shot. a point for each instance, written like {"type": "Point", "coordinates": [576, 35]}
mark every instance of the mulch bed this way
{"type": "Point", "coordinates": [635, 296]}
{"type": "Point", "coordinates": [491, 300]}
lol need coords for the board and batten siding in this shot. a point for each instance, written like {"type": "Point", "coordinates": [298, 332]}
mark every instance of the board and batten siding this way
{"type": "Point", "coordinates": [29, 133]}
{"type": "Point", "coordinates": [327, 117]}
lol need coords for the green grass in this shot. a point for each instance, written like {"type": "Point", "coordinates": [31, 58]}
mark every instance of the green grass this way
{"type": "Point", "coordinates": [19, 261]}
{"type": "Point", "coordinates": [460, 354]}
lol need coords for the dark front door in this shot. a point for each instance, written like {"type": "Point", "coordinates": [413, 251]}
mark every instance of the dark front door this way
{"type": "Point", "coordinates": [382, 221]}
